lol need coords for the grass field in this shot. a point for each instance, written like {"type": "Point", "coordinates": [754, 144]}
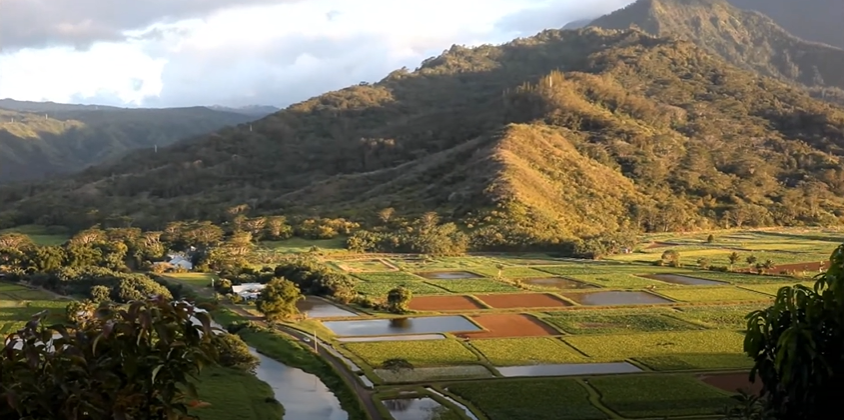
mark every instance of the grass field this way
{"type": "Point", "coordinates": [713, 294]}
{"type": "Point", "coordinates": [235, 394]}
{"type": "Point", "coordinates": [202, 280]}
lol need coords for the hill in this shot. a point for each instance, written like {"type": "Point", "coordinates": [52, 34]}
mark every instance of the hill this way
{"type": "Point", "coordinates": [813, 20]}
{"type": "Point", "coordinates": [568, 133]}
{"type": "Point", "coordinates": [744, 38]}
{"type": "Point", "coordinates": [45, 139]}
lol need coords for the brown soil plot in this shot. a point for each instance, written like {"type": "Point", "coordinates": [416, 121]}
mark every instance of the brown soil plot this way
{"type": "Point", "coordinates": [443, 303]}
{"type": "Point", "coordinates": [509, 325]}
{"type": "Point", "coordinates": [522, 300]}
{"type": "Point", "coordinates": [732, 382]}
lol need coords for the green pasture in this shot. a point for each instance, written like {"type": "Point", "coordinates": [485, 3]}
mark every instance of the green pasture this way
{"type": "Point", "coordinates": [474, 286]}
{"type": "Point", "coordinates": [235, 394]}
{"type": "Point", "coordinates": [511, 272]}
{"type": "Point", "coordinates": [18, 304]}
{"type": "Point", "coordinates": [202, 280]}
{"type": "Point", "coordinates": [772, 289]}
{"type": "Point", "coordinates": [382, 288]}
{"type": "Point", "coordinates": [300, 245]}
{"type": "Point", "coordinates": [443, 263]}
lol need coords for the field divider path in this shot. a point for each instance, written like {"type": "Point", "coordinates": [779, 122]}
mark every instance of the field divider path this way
{"type": "Point", "coordinates": [594, 398]}
{"type": "Point", "coordinates": [364, 396]}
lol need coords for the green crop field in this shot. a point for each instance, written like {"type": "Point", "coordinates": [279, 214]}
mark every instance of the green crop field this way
{"type": "Point", "coordinates": [42, 235]}
{"type": "Point", "coordinates": [435, 373]}
{"type": "Point", "coordinates": [712, 294]}
{"type": "Point", "coordinates": [617, 321]}
{"type": "Point", "coordinates": [638, 396]}
{"type": "Point", "coordinates": [671, 350]}
{"type": "Point", "coordinates": [527, 351]}
{"type": "Point", "coordinates": [534, 399]}
{"type": "Point", "coordinates": [381, 288]}
{"type": "Point", "coordinates": [717, 317]}
{"type": "Point", "coordinates": [419, 353]}
{"type": "Point", "coordinates": [474, 286]}
{"type": "Point", "coordinates": [772, 289]}
{"type": "Point", "coordinates": [362, 266]}
{"type": "Point", "coordinates": [194, 279]}
{"type": "Point", "coordinates": [443, 263]}
{"type": "Point", "coordinates": [743, 278]}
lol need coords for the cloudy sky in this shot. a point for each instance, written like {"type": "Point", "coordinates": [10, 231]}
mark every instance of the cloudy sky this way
{"type": "Point", "coordinates": [161, 53]}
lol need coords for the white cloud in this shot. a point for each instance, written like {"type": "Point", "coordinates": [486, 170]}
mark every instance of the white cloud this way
{"type": "Point", "coordinates": [263, 52]}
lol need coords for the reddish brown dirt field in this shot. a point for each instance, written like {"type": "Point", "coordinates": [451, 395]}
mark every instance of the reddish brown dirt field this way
{"type": "Point", "coordinates": [812, 267]}
{"type": "Point", "coordinates": [732, 382]}
{"type": "Point", "coordinates": [522, 300]}
{"type": "Point", "coordinates": [509, 325]}
{"type": "Point", "coordinates": [443, 303]}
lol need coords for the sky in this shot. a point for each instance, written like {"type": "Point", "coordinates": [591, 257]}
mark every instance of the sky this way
{"type": "Point", "coordinates": [168, 53]}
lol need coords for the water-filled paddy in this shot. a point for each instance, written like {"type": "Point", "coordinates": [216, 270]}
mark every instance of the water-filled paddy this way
{"type": "Point", "coordinates": [426, 325]}
{"type": "Point", "coordinates": [616, 298]}
{"type": "Point", "coordinates": [559, 283]}
{"type": "Point", "coordinates": [318, 308]}
{"type": "Point", "coordinates": [392, 338]}
{"type": "Point", "coordinates": [423, 408]}
{"type": "Point", "coordinates": [690, 281]}
{"type": "Point", "coordinates": [568, 369]}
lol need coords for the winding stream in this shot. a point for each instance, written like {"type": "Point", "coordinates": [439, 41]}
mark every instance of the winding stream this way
{"type": "Point", "coordinates": [303, 395]}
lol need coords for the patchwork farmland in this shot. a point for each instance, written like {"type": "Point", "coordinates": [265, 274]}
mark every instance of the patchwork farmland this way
{"type": "Point", "coordinates": [500, 336]}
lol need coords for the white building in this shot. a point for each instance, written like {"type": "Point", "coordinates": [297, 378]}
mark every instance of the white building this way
{"type": "Point", "coordinates": [178, 261]}
{"type": "Point", "coordinates": [248, 291]}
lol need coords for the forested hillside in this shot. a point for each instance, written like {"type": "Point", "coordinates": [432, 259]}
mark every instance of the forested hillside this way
{"type": "Point", "coordinates": [744, 38]}
{"type": "Point", "coordinates": [43, 139]}
{"type": "Point", "coordinates": [568, 133]}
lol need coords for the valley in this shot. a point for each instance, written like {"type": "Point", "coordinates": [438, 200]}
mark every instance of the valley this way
{"type": "Point", "coordinates": [620, 219]}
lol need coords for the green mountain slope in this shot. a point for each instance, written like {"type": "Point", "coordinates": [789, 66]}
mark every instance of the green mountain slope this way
{"type": "Point", "coordinates": [813, 20]}
{"type": "Point", "coordinates": [568, 133]}
{"type": "Point", "coordinates": [744, 38]}
{"type": "Point", "coordinates": [61, 138]}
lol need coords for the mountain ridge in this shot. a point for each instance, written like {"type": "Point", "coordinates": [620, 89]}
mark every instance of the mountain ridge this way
{"type": "Point", "coordinates": [744, 38]}
{"type": "Point", "coordinates": [564, 134]}
{"type": "Point", "coordinates": [46, 139]}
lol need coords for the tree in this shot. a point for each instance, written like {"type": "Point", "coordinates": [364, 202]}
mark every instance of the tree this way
{"type": "Point", "coordinates": [398, 300]}
{"type": "Point", "coordinates": [710, 239]}
{"type": "Point", "coordinates": [278, 299]}
{"type": "Point", "coordinates": [703, 263]}
{"type": "Point", "coordinates": [397, 365]}
{"type": "Point", "coordinates": [385, 215]}
{"type": "Point", "coordinates": [751, 259]}
{"type": "Point", "coordinates": [233, 352]}
{"type": "Point", "coordinates": [671, 257]}
{"type": "Point", "coordinates": [135, 362]}
{"type": "Point", "coordinates": [733, 257]}
{"type": "Point", "coordinates": [797, 345]}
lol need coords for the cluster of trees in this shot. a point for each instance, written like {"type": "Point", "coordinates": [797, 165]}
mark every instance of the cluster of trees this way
{"type": "Point", "coordinates": [139, 361]}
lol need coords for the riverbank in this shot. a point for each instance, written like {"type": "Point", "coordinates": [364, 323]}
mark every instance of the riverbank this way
{"type": "Point", "coordinates": [235, 394]}
{"type": "Point", "coordinates": [275, 345]}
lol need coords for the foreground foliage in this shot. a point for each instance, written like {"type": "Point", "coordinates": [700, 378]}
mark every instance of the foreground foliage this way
{"type": "Point", "coordinates": [140, 362]}
{"type": "Point", "coordinates": [798, 346]}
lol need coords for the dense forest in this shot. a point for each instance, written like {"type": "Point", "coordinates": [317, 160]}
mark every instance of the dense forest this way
{"type": "Point", "coordinates": [812, 20]}
{"type": "Point", "coordinates": [567, 134]}
{"type": "Point", "coordinates": [43, 139]}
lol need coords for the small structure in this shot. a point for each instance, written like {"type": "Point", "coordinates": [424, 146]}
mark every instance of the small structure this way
{"type": "Point", "coordinates": [178, 261]}
{"type": "Point", "coordinates": [248, 291]}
